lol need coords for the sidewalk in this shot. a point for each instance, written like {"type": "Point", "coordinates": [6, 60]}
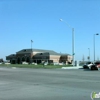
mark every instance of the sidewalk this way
{"type": "Point", "coordinates": [74, 67]}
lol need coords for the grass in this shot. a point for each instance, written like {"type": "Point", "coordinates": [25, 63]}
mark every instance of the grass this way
{"type": "Point", "coordinates": [34, 66]}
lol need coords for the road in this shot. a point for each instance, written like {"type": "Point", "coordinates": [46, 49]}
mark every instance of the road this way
{"type": "Point", "coordinates": [48, 84]}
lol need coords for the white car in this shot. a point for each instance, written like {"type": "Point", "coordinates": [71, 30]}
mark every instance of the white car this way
{"type": "Point", "coordinates": [87, 65]}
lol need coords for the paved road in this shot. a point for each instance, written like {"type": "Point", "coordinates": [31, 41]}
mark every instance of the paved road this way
{"type": "Point", "coordinates": [48, 84]}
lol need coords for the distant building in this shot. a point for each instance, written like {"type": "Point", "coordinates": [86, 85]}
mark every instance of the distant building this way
{"type": "Point", "coordinates": [39, 56]}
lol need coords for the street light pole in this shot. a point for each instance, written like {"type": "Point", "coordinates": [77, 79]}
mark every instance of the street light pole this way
{"type": "Point", "coordinates": [94, 47]}
{"type": "Point", "coordinates": [73, 46]}
{"type": "Point", "coordinates": [89, 54]}
{"type": "Point", "coordinates": [94, 44]}
{"type": "Point", "coordinates": [31, 52]}
{"type": "Point", "coordinates": [31, 44]}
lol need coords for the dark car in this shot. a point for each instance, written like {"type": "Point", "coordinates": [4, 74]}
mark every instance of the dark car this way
{"type": "Point", "coordinates": [95, 66]}
{"type": "Point", "coordinates": [87, 64]}
{"type": "Point", "coordinates": [97, 63]}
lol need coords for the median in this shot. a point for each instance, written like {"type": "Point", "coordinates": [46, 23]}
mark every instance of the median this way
{"type": "Point", "coordinates": [34, 66]}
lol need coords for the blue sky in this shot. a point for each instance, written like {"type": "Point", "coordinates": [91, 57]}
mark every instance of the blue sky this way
{"type": "Point", "coordinates": [24, 20]}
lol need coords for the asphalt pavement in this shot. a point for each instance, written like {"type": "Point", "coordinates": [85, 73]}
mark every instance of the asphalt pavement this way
{"type": "Point", "coordinates": [48, 84]}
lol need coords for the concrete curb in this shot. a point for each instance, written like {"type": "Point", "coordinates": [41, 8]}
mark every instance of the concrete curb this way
{"type": "Point", "coordinates": [76, 67]}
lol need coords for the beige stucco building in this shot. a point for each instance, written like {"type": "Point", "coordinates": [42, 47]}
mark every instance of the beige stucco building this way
{"type": "Point", "coordinates": [39, 56]}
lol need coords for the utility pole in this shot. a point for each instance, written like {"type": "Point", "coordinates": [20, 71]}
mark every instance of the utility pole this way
{"type": "Point", "coordinates": [73, 53]}
{"type": "Point", "coordinates": [73, 46]}
{"type": "Point", "coordinates": [31, 52]}
{"type": "Point", "coordinates": [94, 44]}
{"type": "Point", "coordinates": [89, 54]}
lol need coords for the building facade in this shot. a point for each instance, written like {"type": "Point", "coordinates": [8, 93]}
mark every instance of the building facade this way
{"type": "Point", "coordinates": [38, 56]}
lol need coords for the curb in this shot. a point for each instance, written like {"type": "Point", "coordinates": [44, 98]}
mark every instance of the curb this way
{"type": "Point", "coordinates": [76, 67]}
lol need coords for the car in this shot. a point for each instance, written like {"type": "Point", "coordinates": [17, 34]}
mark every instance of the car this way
{"type": "Point", "coordinates": [97, 63]}
{"type": "Point", "coordinates": [92, 66]}
{"type": "Point", "coordinates": [87, 65]}
{"type": "Point", "coordinates": [95, 66]}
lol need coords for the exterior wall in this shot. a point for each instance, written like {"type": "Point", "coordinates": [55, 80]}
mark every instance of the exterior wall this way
{"type": "Point", "coordinates": [69, 58]}
{"type": "Point", "coordinates": [55, 58]}
{"type": "Point", "coordinates": [23, 57]}
{"type": "Point", "coordinates": [63, 59]}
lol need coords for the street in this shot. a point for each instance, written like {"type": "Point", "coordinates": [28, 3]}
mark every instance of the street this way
{"type": "Point", "coordinates": [48, 84]}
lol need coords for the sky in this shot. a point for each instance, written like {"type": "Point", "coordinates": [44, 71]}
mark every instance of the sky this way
{"type": "Point", "coordinates": [39, 20]}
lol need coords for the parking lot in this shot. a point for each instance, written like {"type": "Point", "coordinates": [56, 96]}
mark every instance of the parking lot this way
{"type": "Point", "coordinates": [48, 84]}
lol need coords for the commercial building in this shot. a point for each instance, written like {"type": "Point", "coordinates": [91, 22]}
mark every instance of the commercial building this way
{"type": "Point", "coordinates": [38, 56]}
